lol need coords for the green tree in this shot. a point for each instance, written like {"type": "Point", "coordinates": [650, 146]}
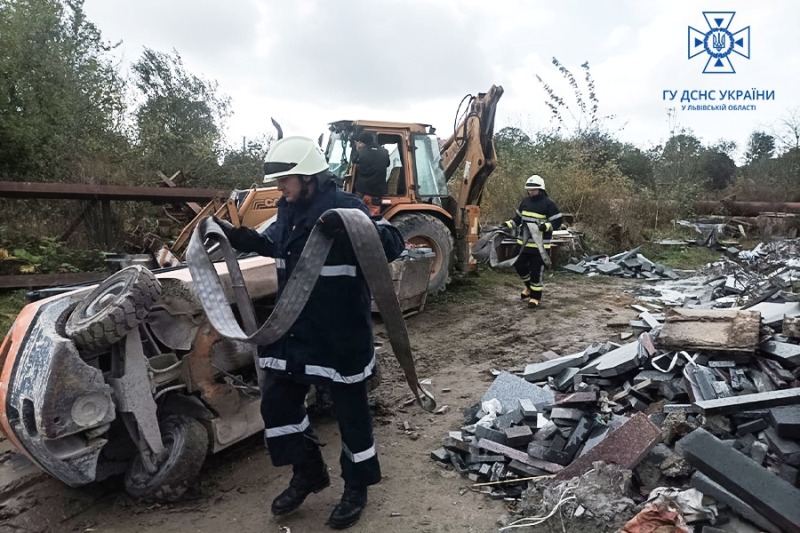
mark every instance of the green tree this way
{"type": "Point", "coordinates": [788, 131]}
{"type": "Point", "coordinates": [636, 165]}
{"type": "Point", "coordinates": [679, 162]}
{"type": "Point", "coordinates": [180, 122]}
{"type": "Point", "coordinates": [61, 95]}
{"type": "Point", "coordinates": [511, 137]}
{"type": "Point", "coordinates": [719, 169]}
{"type": "Point", "coordinates": [760, 146]}
{"type": "Point", "coordinates": [244, 167]}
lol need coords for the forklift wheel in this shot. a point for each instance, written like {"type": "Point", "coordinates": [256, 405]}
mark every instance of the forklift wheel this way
{"type": "Point", "coordinates": [113, 308]}
{"type": "Point", "coordinates": [186, 443]}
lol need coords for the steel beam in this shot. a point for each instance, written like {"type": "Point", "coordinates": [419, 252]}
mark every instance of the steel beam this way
{"type": "Point", "coordinates": [80, 191]}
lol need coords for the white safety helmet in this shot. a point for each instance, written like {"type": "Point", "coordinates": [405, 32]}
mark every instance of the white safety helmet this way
{"type": "Point", "coordinates": [535, 182]}
{"type": "Point", "coordinates": [293, 155]}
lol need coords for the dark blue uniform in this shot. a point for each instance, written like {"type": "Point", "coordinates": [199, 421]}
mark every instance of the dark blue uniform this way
{"type": "Point", "coordinates": [330, 343]}
{"type": "Point", "coordinates": [530, 265]}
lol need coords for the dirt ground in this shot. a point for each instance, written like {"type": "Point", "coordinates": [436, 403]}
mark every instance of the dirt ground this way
{"type": "Point", "coordinates": [477, 325]}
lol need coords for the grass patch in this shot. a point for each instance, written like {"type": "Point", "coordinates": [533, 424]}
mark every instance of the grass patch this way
{"type": "Point", "coordinates": [473, 286]}
{"type": "Point", "coordinates": [565, 275]}
{"type": "Point", "coordinates": [10, 304]}
{"type": "Point", "coordinates": [681, 257]}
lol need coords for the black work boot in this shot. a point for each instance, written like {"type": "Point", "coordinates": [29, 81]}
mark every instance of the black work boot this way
{"type": "Point", "coordinates": [348, 510]}
{"type": "Point", "coordinates": [309, 476]}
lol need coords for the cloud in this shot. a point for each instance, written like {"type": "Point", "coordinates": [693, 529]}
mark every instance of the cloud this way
{"type": "Point", "coordinates": [209, 35]}
{"type": "Point", "coordinates": [312, 61]}
{"type": "Point", "coordinates": [367, 52]}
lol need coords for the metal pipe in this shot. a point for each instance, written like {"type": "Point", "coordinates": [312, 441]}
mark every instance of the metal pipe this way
{"type": "Point", "coordinates": [163, 391]}
{"type": "Point", "coordinates": [744, 209]}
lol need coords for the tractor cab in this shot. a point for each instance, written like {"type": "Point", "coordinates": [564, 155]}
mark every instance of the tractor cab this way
{"type": "Point", "coordinates": [415, 173]}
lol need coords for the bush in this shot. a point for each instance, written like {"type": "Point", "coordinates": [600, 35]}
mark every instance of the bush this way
{"type": "Point", "coordinates": [47, 256]}
{"type": "Point", "coordinates": [611, 211]}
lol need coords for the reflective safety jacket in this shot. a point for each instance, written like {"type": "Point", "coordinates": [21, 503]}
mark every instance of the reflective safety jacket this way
{"type": "Point", "coordinates": [331, 341]}
{"type": "Point", "coordinates": [535, 210]}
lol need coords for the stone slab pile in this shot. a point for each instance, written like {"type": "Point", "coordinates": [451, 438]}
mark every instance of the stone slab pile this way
{"type": "Point", "coordinates": [629, 264]}
{"type": "Point", "coordinates": [647, 406]}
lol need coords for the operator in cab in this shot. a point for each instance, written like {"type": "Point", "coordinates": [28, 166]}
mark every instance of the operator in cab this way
{"type": "Point", "coordinates": [372, 160]}
{"type": "Point", "coordinates": [536, 212]}
{"type": "Point", "coordinates": [330, 344]}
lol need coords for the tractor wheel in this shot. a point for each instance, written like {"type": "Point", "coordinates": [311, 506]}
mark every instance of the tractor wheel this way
{"type": "Point", "coordinates": [113, 308]}
{"type": "Point", "coordinates": [426, 230]}
{"type": "Point", "coordinates": [186, 443]}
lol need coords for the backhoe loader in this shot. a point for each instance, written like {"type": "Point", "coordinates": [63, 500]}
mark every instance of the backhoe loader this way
{"type": "Point", "coordinates": [434, 187]}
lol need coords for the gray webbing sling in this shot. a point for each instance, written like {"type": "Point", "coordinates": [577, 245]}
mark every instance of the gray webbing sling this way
{"type": "Point", "coordinates": [371, 258]}
{"type": "Point", "coordinates": [485, 248]}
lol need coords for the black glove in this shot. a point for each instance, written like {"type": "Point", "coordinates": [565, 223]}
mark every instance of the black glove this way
{"type": "Point", "coordinates": [542, 226]}
{"type": "Point", "coordinates": [331, 224]}
{"type": "Point", "coordinates": [226, 227]}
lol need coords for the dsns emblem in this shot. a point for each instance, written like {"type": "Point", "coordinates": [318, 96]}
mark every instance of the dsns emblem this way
{"type": "Point", "coordinates": [719, 42]}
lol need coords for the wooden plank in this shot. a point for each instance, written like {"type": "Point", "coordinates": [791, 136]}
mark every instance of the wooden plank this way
{"type": "Point", "coordinates": [170, 182]}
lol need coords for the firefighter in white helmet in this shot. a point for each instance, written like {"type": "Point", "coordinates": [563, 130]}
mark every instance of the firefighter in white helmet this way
{"type": "Point", "coordinates": [330, 343]}
{"type": "Point", "coordinates": [539, 210]}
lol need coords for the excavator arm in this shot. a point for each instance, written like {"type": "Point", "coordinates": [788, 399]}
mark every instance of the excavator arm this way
{"type": "Point", "coordinates": [472, 143]}
{"type": "Point", "coordinates": [472, 146]}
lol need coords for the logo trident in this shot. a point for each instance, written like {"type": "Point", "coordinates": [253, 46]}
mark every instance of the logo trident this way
{"type": "Point", "coordinates": [719, 42]}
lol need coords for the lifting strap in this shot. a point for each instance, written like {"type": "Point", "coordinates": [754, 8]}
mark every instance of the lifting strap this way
{"type": "Point", "coordinates": [485, 248]}
{"type": "Point", "coordinates": [370, 256]}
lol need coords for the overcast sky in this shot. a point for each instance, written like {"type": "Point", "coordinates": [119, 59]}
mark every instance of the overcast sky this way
{"type": "Point", "coordinates": [310, 62]}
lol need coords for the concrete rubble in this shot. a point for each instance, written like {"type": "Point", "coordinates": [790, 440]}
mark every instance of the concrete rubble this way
{"type": "Point", "coordinates": [701, 397]}
{"type": "Point", "coordinates": [629, 264]}
{"type": "Point", "coordinates": [765, 274]}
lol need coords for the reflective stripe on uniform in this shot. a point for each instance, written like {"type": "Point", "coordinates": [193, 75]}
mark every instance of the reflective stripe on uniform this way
{"type": "Point", "coordinates": [338, 270]}
{"type": "Point", "coordinates": [359, 457]}
{"type": "Point", "coordinates": [288, 429]}
{"type": "Point", "coordinates": [333, 375]}
{"type": "Point", "coordinates": [272, 362]}
{"type": "Point", "coordinates": [532, 215]}
{"type": "Point", "coordinates": [280, 262]}
{"type": "Point", "coordinates": [536, 287]}
{"type": "Point", "coordinates": [555, 217]}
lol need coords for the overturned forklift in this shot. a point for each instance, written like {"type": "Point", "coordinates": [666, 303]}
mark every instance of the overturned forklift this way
{"type": "Point", "coordinates": [133, 377]}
